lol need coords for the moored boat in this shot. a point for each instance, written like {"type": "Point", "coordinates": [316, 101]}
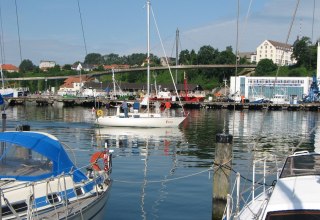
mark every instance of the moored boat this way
{"type": "Point", "coordinates": [293, 195]}
{"type": "Point", "coordinates": [39, 180]}
{"type": "Point", "coordinates": [147, 118]}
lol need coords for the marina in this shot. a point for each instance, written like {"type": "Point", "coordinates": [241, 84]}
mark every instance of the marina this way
{"type": "Point", "coordinates": [159, 173]}
{"type": "Point", "coordinates": [101, 102]}
{"type": "Point", "coordinates": [201, 151]}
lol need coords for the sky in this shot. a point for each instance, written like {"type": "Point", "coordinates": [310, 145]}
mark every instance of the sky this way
{"type": "Point", "coordinates": [52, 30]}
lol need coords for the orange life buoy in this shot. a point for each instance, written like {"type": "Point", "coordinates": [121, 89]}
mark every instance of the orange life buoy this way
{"type": "Point", "coordinates": [100, 155]}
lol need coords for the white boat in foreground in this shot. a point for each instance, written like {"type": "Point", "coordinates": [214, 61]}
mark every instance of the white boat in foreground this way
{"type": "Point", "coordinates": [295, 194]}
{"type": "Point", "coordinates": [39, 181]}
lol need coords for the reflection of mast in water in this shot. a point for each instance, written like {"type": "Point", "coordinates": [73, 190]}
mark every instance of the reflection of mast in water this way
{"type": "Point", "coordinates": [162, 190]}
{"type": "Point", "coordinates": [144, 185]}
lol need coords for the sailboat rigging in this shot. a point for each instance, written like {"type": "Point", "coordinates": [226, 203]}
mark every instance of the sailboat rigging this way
{"type": "Point", "coordinates": [145, 119]}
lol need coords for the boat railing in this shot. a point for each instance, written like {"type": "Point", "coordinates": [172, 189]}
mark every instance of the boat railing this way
{"type": "Point", "coordinates": [249, 194]}
{"type": "Point", "coordinates": [56, 197]}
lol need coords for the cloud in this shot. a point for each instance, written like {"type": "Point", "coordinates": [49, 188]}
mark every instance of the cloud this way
{"type": "Point", "coordinates": [272, 21]}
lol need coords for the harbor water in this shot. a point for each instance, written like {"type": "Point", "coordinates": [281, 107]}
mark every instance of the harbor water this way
{"type": "Point", "coordinates": [167, 173]}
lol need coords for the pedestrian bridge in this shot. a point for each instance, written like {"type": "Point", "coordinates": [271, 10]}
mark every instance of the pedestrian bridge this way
{"type": "Point", "coordinates": [138, 69]}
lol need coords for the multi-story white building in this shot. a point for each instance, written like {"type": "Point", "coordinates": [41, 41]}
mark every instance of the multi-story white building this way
{"type": "Point", "coordinates": [44, 64]}
{"type": "Point", "coordinates": [267, 87]}
{"type": "Point", "coordinates": [279, 53]}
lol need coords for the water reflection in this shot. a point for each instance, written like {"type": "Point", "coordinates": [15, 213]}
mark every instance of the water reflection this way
{"type": "Point", "coordinates": [148, 144]}
{"type": "Point", "coordinates": [162, 154]}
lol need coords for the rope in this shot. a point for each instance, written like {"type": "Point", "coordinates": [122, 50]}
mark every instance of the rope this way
{"type": "Point", "coordinates": [84, 39]}
{"type": "Point", "coordinates": [219, 166]}
{"type": "Point", "coordinates": [3, 57]}
{"type": "Point", "coordinates": [164, 180]}
{"type": "Point", "coordinates": [18, 29]}
{"type": "Point", "coordinates": [243, 177]}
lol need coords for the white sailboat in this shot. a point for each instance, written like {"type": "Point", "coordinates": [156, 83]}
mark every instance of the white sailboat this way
{"type": "Point", "coordinates": [292, 196]}
{"type": "Point", "coordinates": [146, 119]}
{"type": "Point", "coordinates": [40, 181]}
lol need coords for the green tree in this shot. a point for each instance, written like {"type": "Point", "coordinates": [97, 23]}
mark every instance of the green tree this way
{"type": "Point", "coordinates": [226, 56]}
{"type": "Point", "coordinates": [112, 59]}
{"type": "Point", "coordinates": [302, 52]}
{"type": "Point", "coordinates": [193, 57]}
{"type": "Point", "coordinates": [184, 57]}
{"type": "Point", "coordinates": [94, 59]}
{"type": "Point", "coordinates": [26, 66]}
{"type": "Point", "coordinates": [66, 67]}
{"type": "Point", "coordinates": [136, 59]}
{"type": "Point", "coordinates": [265, 66]}
{"type": "Point", "coordinates": [207, 55]}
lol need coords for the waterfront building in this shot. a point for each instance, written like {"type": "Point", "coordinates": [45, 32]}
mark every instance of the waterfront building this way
{"type": "Point", "coordinates": [279, 53]}
{"type": "Point", "coordinates": [73, 85]}
{"type": "Point", "coordinates": [9, 68]}
{"type": "Point", "coordinates": [270, 86]}
{"type": "Point", "coordinates": [45, 64]}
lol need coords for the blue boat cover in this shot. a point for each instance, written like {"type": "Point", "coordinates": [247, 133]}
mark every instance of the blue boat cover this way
{"type": "Point", "coordinates": [46, 145]}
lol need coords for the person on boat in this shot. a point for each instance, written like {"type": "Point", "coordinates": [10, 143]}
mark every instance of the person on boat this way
{"type": "Point", "coordinates": [168, 106]}
{"type": "Point", "coordinates": [124, 106]}
{"type": "Point", "coordinates": [136, 106]}
{"type": "Point", "coordinates": [93, 111]}
{"type": "Point", "coordinates": [157, 107]}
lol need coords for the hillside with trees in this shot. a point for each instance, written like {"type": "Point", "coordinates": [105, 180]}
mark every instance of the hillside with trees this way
{"type": "Point", "coordinates": [303, 51]}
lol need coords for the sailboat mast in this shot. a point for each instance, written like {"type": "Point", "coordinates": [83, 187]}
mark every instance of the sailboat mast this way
{"type": "Point", "coordinates": [148, 53]}
{"type": "Point", "coordinates": [114, 84]}
{"type": "Point", "coordinates": [2, 78]}
{"type": "Point", "coordinates": [177, 53]}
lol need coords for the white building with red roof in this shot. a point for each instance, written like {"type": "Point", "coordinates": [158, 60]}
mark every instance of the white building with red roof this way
{"type": "Point", "coordinates": [73, 85]}
{"type": "Point", "coordinates": [279, 53]}
{"type": "Point", "coordinates": [9, 68]}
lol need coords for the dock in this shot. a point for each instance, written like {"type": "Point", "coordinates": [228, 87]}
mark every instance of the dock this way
{"type": "Point", "coordinates": [43, 100]}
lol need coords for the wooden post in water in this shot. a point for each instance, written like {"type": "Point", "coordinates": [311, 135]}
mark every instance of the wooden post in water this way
{"type": "Point", "coordinates": [223, 155]}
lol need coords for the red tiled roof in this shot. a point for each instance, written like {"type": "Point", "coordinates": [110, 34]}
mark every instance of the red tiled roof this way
{"type": "Point", "coordinates": [68, 83]}
{"type": "Point", "coordinates": [9, 67]}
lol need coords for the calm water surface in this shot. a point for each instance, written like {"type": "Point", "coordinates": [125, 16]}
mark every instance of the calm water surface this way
{"type": "Point", "coordinates": [164, 173]}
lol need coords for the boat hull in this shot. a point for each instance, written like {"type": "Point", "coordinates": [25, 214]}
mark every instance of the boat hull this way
{"type": "Point", "coordinates": [94, 210]}
{"type": "Point", "coordinates": [156, 122]}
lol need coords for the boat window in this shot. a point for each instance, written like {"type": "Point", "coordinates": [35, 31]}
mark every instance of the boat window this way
{"type": "Point", "coordinates": [19, 161]}
{"type": "Point", "coordinates": [54, 198]}
{"type": "Point", "coordinates": [79, 191]}
{"type": "Point", "coordinates": [294, 215]}
{"type": "Point", "coordinates": [301, 165]}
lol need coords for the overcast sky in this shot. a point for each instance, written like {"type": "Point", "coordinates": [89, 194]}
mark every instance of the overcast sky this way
{"type": "Point", "coordinates": [52, 30]}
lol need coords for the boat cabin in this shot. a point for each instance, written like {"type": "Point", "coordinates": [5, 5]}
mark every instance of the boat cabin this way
{"type": "Point", "coordinates": [295, 195]}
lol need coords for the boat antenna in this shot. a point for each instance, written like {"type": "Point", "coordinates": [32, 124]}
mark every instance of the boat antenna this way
{"type": "Point", "coordinates": [84, 39]}
{"type": "Point", "coordinates": [18, 30]}
{"type": "Point", "coordinates": [314, 8]}
{"type": "Point", "coordinates": [177, 53]}
{"type": "Point", "coordinates": [1, 38]}
{"type": "Point", "coordinates": [148, 53]}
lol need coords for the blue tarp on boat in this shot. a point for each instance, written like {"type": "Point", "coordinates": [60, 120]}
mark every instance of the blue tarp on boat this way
{"type": "Point", "coordinates": [46, 145]}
